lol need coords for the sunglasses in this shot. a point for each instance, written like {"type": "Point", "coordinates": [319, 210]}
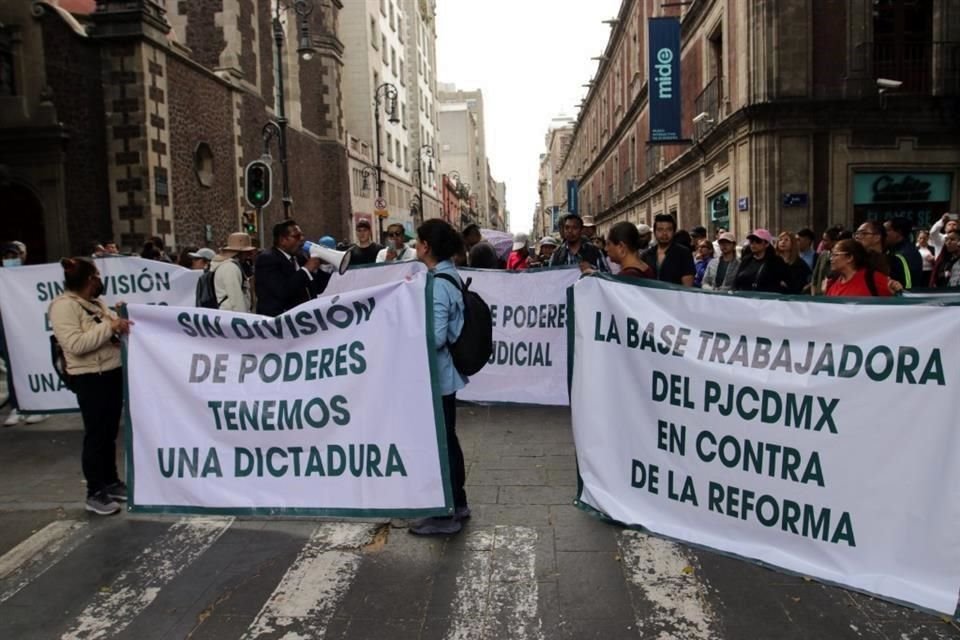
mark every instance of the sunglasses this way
{"type": "Point", "coordinates": [394, 234]}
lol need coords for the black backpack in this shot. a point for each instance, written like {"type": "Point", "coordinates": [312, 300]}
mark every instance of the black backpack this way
{"type": "Point", "coordinates": [60, 363]}
{"type": "Point", "coordinates": [207, 291]}
{"type": "Point", "coordinates": [474, 347]}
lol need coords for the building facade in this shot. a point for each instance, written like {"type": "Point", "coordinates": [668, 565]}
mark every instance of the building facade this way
{"type": "Point", "coordinates": [463, 144]}
{"type": "Point", "coordinates": [552, 180]}
{"type": "Point", "coordinates": [795, 113]}
{"type": "Point", "coordinates": [137, 120]}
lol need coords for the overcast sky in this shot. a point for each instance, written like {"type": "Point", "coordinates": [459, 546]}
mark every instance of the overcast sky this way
{"type": "Point", "coordinates": [530, 58]}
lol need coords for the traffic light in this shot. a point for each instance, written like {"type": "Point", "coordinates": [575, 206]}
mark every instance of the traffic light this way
{"type": "Point", "coordinates": [250, 223]}
{"type": "Point", "coordinates": [258, 179]}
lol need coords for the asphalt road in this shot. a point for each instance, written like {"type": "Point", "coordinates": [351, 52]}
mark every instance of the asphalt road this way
{"type": "Point", "coordinates": [527, 565]}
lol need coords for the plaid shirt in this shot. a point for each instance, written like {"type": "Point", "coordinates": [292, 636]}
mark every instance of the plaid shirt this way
{"type": "Point", "coordinates": [588, 253]}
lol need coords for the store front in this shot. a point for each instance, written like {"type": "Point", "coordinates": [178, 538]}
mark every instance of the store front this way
{"type": "Point", "coordinates": [719, 207]}
{"type": "Point", "coordinates": [922, 198]}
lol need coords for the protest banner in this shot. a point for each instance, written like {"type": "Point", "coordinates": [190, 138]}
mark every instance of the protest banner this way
{"type": "Point", "coordinates": [237, 413]}
{"type": "Point", "coordinates": [370, 275]}
{"type": "Point", "coordinates": [818, 436]}
{"type": "Point", "coordinates": [26, 294]}
{"type": "Point", "coordinates": [529, 361]}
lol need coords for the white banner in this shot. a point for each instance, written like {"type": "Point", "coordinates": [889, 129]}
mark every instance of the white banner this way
{"type": "Point", "coordinates": [816, 436]}
{"type": "Point", "coordinates": [371, 275]}
{"type": "Point", "coordinates": [529, 362]}
{"type": "Point", "coordinates": [26, 294]}
{"type": "Point", "coordinates": [238, 413]}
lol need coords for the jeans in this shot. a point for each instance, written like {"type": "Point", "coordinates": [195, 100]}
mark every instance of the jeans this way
{"type": "Point", "coordinates": [458, 473]}
{"type": "Point", "coordinates": [100, 396]}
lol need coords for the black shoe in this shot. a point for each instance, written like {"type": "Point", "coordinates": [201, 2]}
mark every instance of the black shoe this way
{"type": "Point", "coordinates": [436, 527]}
{"type": "Point", "coordinates": [101, 504]}
{"type": "Point", "coordinates": [117, 491]}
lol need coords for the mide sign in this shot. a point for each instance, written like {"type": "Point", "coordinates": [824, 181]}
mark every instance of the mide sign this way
{"type": "Point", "coordinates": [664, 73]}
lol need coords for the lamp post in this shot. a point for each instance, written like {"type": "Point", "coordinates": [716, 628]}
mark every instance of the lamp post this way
{"type": "Point", "coordinates": [388, 92]}
{"type": "Point", "coordinates": [428, 150]}
{"type": "Point", "coordinates": [278, 128]}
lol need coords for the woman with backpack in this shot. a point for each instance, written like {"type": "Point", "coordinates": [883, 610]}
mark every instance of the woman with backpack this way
{"type": "Point", "coordinates": [437, 244]}
{"type": "Point", "coordinates": [854, 276]}
{"type": "Point", "coordinates": [89, 334]}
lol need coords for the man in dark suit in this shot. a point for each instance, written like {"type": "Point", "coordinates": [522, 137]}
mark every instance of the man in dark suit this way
{"type": "Point", "coordinates": [284, 277]}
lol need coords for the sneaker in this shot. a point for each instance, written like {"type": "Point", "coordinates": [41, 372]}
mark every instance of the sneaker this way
{"type": "Point", "coordinates": [462, 513]}
{"type": "Point", "coordinates": [34, 418]}
{"type": "Point", "coordinates": [117, 491]}
{"type": "Point", "coordinates": [13, 419]}
{"type": "Point", "coordinates": [436, 527]}
{"type": "Point", "coordinates": [101, 504]}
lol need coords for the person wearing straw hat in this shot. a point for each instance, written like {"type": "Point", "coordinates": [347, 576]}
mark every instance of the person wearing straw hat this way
{"type": "Point", "coordinates": [229, 282]}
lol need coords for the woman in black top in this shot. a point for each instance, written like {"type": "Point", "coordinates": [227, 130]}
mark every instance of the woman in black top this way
{"type": "Point", "coordinates": [761, 269]}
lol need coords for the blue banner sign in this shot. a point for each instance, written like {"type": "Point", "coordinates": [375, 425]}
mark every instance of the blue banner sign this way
{"type": "Point", "coordinates": [573, 196]}
{"type": "Point", "coordinates": [664, 84]}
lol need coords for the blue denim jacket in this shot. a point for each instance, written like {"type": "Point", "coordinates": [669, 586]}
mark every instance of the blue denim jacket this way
{"type": "Point", "coordinates": [447, 325]}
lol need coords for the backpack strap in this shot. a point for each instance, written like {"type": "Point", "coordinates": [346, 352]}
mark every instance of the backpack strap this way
{"type": "Point", "coordinates": [457, 282]}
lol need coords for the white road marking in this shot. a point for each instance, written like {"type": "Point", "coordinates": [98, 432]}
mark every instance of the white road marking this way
{"type": "Point", "coordinates": [113, 608]}
{"type": "Point", "coordinates": [34, 556]}
{"type": "Point", "coordinates": [497, 586]}
{"type": "Point", "coordinates": [668, 581]}
{"type": "Point", "coordinates": [308, 594]}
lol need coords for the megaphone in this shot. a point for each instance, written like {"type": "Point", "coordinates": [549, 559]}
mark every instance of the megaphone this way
{"type": "Point", "coordinates": [339, 259]}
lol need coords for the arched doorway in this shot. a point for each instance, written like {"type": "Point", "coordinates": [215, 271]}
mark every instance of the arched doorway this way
{"type": "Point", "coordinates": [22, 219]}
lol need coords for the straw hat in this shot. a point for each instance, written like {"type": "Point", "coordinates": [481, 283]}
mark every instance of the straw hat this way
{"type": "Point", "coordinates": [238, 242]}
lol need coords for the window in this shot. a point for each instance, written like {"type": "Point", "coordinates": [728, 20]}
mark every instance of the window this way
{"type": "Point", "coordinates": [393, 18]}
{"type": "Point", "coordinates": [203, 164]}
{"type": "Point", "coordinates": [403, 81]}
{"type": "Point", "coordinates": [383, 45]}
{"type": "Point", "coordinates": [393, 59]}
{"type": "Point", "coordinates": [399, 157]}
{"type": "Point", "coordinates": [376, 81]}
{"type": "Point", "coordinates": [383, 8]}
{"type": "Point", "coordinates": [389, 148]}
{"type": "Point", "coordinates": [406, 156]}
{"type": "Point", "coordinates": [400, 27]}
{"type": "Point", "coordinates": [403, 111]}
{"type": "Point", "coordinates": [374, 32]}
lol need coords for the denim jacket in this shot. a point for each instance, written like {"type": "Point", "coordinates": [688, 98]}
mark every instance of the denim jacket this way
{"type": "Point", "coordinates": [447, 325]}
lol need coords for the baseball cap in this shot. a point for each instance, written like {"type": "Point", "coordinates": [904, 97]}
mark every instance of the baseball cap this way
{"type": "Point", "coordinates": [206, 254]}
{"type": "Point", "coordinates": [760, 234]}
{"type": "Point", "coordinates": [328, 242]}
{"type": "Point", "coordinates": [644, 229]}
{"type": "Point", "coordinates": [363, 222]}
{"type": "Point", "coordinates": [520, 241]}
{"type": "Point", "coordinates": [548, 241]}
{"type": "Point", "coordinates": [729, 237]}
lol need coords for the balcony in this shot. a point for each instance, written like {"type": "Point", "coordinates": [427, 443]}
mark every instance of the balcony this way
{"type": "Point", "coordinates": [923, 67]}
{"type": "Point", "coordinates": [708, 102]}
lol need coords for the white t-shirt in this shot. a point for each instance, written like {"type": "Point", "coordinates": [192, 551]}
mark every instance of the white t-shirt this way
{"type": "Point", "coordinates": [406, 254]}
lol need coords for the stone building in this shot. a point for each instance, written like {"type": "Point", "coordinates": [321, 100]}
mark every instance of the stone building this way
{"type": "Point", "coordinates": [795, 113]}
{"type": "Point", "coordinates": [137, 119]}
{"type": "Point", "coordinates": [463, 144]}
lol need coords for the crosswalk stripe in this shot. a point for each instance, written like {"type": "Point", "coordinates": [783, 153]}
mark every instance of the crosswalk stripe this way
{"type": "Point", "coordinates": [497, 586]}
{"type": "Point", "coordinates": [667, 579]}
{"type": "Point", "coordinates": [135, 588]}
{"type": "Point", "coordinates": [34, 556]}
{"type": "Point", "coordinates": [307, 596]}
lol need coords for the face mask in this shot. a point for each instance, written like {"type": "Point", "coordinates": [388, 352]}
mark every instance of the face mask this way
{"type": "Point", "coordinates": [12, 262]}
{"type": "Point", "coordinates": [97, 289]}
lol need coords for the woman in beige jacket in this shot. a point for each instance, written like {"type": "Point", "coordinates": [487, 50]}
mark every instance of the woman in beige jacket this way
{"type": "Point", "coordinates": [89, 334]}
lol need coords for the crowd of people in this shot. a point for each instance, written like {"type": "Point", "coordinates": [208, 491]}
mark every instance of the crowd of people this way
{"type": "Point", "coordinates": [876, 259]}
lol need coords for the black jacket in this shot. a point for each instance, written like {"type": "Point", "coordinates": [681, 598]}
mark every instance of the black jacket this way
{"type": "Point", "coordinates": [770, 274]}
{"type": "Point", "coordinates": [281, 286]}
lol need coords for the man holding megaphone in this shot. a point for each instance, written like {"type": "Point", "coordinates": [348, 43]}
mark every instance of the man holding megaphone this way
{"type": "Point", "coordinates": [285, 277]}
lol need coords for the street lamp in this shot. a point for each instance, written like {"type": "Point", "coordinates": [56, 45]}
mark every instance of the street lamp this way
{"type": "Point", "coordinates": [388, 92]}
{"type": "Point", "coordinates": [278, 128]}
{"type": "Point", "coordinates": [428, 150]}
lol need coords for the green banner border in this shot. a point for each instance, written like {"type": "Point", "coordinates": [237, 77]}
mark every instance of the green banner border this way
{"type": "Point", "coordinates": [581, 504]}
{"type": "Point", "coordinates": [439, 426]}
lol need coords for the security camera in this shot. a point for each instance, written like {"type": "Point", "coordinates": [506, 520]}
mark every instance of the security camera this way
{"type": "Point", "coordinates": [886, 83]}
{"type": "Point", "coordinates": [703, 116]}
